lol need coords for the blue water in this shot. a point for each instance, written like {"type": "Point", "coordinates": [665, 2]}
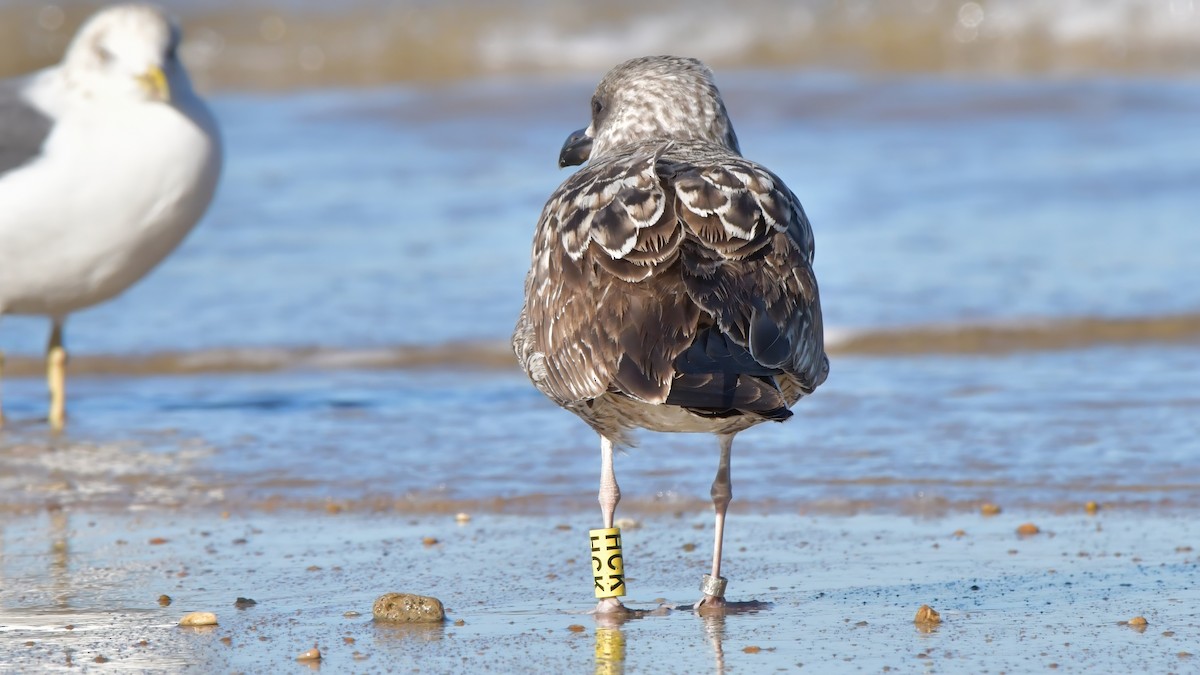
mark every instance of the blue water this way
{"type": "Point", "coordinates": [910, 434]}
{"type": "Point", "coordinates": [365, 218]}
{"type": "Point", "coordinates": [403, 216]}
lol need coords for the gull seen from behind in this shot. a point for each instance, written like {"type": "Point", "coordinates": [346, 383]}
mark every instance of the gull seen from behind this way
{"type": "Point", "coordinates": [671, 285]}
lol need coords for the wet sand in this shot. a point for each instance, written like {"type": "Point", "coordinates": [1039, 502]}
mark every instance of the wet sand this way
{"type": "Point", "coordinates": [982, 338]}
{"type": "Point", "coordinates": [840, 592]}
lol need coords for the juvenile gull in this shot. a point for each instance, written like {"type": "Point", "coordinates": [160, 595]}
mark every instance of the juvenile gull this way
{"type": "Point", "coordinates": [107, 160]}
{"type": "Point", "coordinates": [671, 285]}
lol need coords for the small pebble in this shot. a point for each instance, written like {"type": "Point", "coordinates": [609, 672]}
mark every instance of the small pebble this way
{"type": "Point", "coordinates": [927, 615]}
{"type": "Point", "coordinates": [462, 517]}
{"type": "Point", "coordinates": [460, 622]}
{"type": "Point", "coordinates": [100, 658]}
{"type": "Point", "coordinates": [408, 608]}
{"type": "Point", "coordinates": [243, 603]}
{"type": "Point", "coordinates": [157, 541]}
{"type": "Point", "coordinates": [1091, 508]}
{"type": "Point", "coordinates": [989, 509]}
{"type": "Point", "coordinates": [164, 600]}
{"type": "Point", "coordinates": [199, 619]}
{"type": "Point", "coordinates": [1138, 621]}
{"type": "Point", "coordinates": [1027, 529]}
{"type": "Point", "coordinates": [313, 654]}
{"type": "Point", "coordinates": [627, 524]}
{"type": "Point", "coordinates": [351, 614]}
{"type": "Point", "coordinates": [752, 649]}
{"type": "Point", "coordinates": [689, 547]}
{"type": "Point", "coordinates": [575, 628]}
{"type": "Point", "coordinates": [959, 534]}
{"type": "Point", "coordinates": [429, 541]}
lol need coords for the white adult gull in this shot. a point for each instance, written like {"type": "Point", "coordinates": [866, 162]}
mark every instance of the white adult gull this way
{"type": "Point", "coordinates": [107, 161]}
{"type": "Point", "coordinates": [671, 285]}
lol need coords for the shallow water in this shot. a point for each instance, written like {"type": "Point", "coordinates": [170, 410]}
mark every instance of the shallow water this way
{"type": "Point", "coordinates": [359, 223]}
{"type": "Point", "coordinates": [359, 219]}
{"type": "Point", "coordinates": [926, 435]}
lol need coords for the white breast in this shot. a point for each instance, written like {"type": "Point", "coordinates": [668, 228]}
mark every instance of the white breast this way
{"type": "Point", "coordinates": [116, 189]}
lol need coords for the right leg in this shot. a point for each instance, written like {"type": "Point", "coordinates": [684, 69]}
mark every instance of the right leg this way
{"type": "Point", "coordinates": [610, 492]}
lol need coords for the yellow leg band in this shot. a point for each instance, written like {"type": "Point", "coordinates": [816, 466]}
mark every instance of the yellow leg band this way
{"type": "Point", "coordinates": [608, 567]}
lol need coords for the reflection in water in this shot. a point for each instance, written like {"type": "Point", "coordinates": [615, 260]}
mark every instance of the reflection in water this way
{"type": "Point", "coordinates": [714, 629]}
{"type": "Point", "coordinates": [610, 638]}
{"type": "Point", "coordinates": [60, 556]}
{"type": "Point", "coordinates": [610, 649]}
{"type": "Point", "coordinates": [420, 632]}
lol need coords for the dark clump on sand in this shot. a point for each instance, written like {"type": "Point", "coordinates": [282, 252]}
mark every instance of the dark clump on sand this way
{"type": "Point", "coordinates": [408, 608]}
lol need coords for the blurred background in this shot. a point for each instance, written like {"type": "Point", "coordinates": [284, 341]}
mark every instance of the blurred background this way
{"type": "Point", "coordinates": [1004, 196]}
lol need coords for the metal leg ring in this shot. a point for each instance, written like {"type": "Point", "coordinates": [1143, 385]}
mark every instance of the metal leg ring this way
{"type": "Point", "coordinates": [713, 587]}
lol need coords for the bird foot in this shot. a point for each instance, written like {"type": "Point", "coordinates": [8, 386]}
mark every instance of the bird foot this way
{"type": "Point", "coordinates": [710, 604]}
{"type": "Point", "coordinates": [610, 606]}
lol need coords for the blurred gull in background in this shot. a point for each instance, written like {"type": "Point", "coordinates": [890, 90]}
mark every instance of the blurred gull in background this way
{"type": "Point", "coordinates": [107, 160]}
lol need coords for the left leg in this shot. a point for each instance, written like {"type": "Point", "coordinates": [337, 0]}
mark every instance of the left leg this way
{"type": "Point", "coordinates": [56, 376]}
{"type": "Point", "coordinates": [713, 584]}
{"type": "Point", "coordinates": [610, 495]}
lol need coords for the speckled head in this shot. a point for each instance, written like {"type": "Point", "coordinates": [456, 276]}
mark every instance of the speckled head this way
{"type": "Point", "coordinates": [658, 98]}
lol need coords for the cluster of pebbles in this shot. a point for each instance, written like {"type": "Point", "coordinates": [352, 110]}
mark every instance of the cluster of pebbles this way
{"type": "Point", "coordinates": [389, 607]}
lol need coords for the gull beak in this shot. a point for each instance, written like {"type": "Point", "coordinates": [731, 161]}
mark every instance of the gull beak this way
{"type": "Point", "coordinates": [154, 81]}
{"type": "Point", "coordinates": [576, 149]}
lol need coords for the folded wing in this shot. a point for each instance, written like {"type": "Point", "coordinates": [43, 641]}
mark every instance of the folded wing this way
{"type": "Point", "coordinates": [674, 275]}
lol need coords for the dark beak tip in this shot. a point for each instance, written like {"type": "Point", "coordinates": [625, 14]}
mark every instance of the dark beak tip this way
{"type": "Point", "coordinates": [576, 149]}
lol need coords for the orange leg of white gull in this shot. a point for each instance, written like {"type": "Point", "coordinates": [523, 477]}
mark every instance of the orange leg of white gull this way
{"type": "Point", "coordinates": [610, 494]}
{"type": "Point", "coordinates": [56, 377]}
{"type": "Point", "coordinates": [713, 586]}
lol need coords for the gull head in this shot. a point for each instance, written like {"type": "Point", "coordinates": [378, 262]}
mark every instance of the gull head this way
{"type": "Point", "coordinates": [126, 51]}
{"type": "Point", "coordinates": [652, 98]}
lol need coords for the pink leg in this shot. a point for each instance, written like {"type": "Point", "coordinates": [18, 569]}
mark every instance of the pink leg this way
{"type": "Point", "coordinates": [610, 494]}
{"type": "Point", "coordinates": [722, 493]}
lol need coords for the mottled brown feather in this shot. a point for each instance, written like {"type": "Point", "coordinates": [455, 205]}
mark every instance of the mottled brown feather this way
{"type": "Point", "coordinates": [672, 285]}
{"type": "Point", "coordinates": [693, 237]}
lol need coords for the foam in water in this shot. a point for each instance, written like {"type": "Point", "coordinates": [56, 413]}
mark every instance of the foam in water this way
{"type": "Point", "coordinates": [295, 43]}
